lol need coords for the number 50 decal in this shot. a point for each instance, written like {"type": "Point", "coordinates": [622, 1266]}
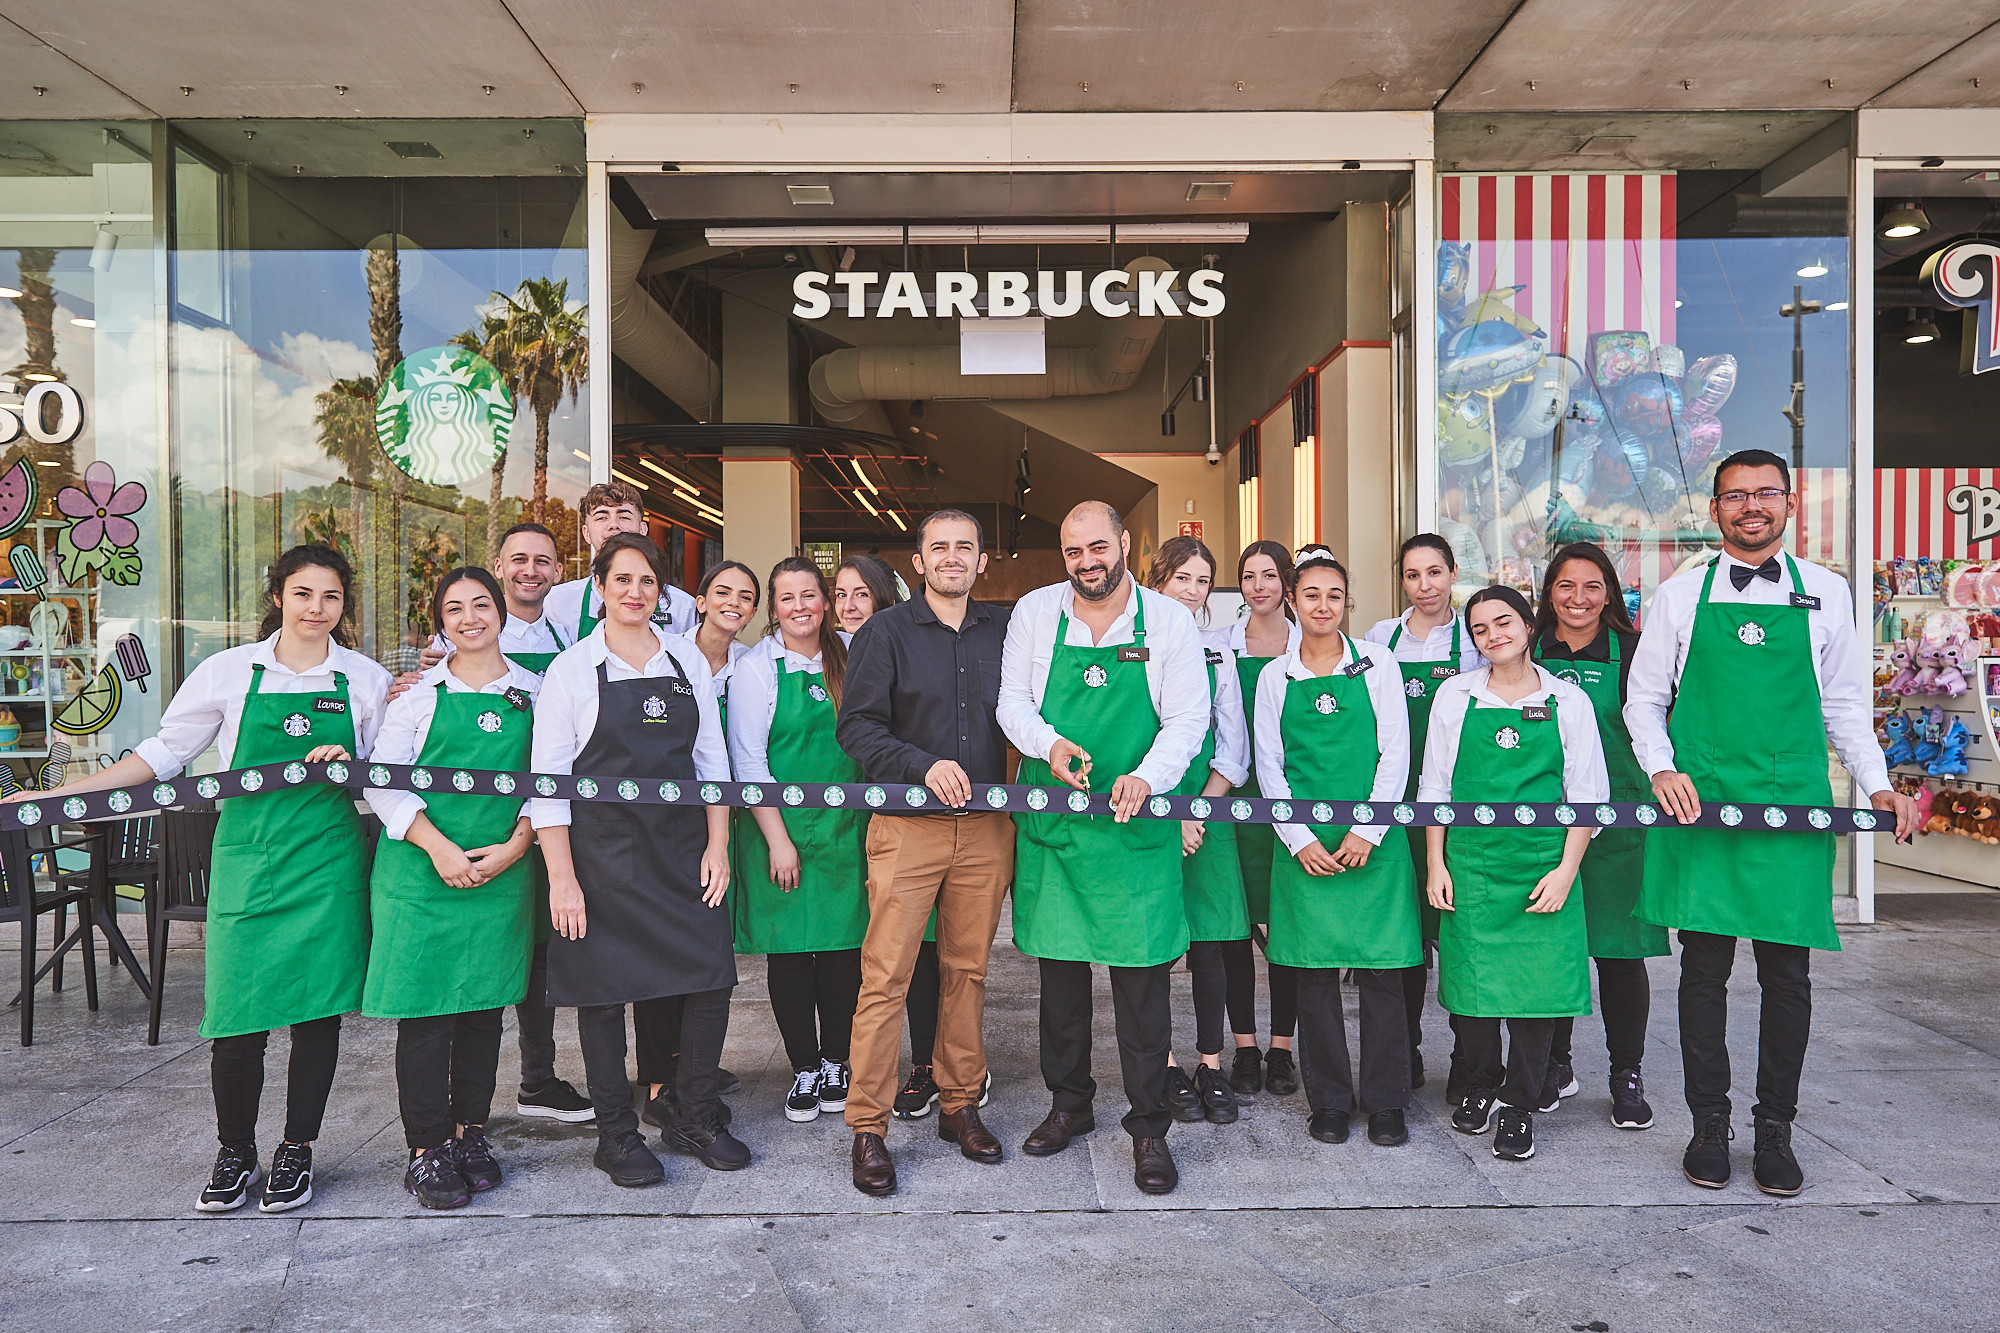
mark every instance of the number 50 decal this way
{"type": "Point", "coordinates": [46, 400]}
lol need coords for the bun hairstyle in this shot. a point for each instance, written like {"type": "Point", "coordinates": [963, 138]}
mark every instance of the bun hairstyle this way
{"type": "Point", "coordinates": [832, 651]}
{"type": "Point", "coordinates": [1426, 541]}
{"type": "Point", "coordinates": [1280, 557]}
{"type": "Point", "coordinates": [312, 555]}
{"type": "Point", "coordinates": [1315, 556]}
{"type": "Point", "coordinates": [460, 575]}
{"type": "Point", "coordinates": [1168, 559]}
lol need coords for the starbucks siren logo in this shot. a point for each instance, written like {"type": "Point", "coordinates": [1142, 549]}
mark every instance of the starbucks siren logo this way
{"type": "Point", "coordinates": [444, 415]}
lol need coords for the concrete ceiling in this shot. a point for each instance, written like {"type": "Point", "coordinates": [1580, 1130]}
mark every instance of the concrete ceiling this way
{"type": "Point", "coordinates": [107, 59]}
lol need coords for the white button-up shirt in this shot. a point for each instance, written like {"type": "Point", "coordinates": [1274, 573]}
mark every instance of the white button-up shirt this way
{"type": "Point", "coordinates": [208, 707]}
{"type": "Point", "coordinates": [1227, 718]}
{"type": "Point", "coordinates": [753, 703]}
{"type": "Point", "coordinates": [566, 711]}
{"type": "Point", "coordinates": [564, 605]}
{"type": "Point", "coordinates": [1235, 636]}
{"type": "Point", "coordinates": [1174, 671]}
{"type": "Point", "coordinates": [406, 726]}
{"type": "Point", "coordinates": [1846, 689]}
{"type": "Point", "coordinates": [1432, 647]}
{"type": "Point", "coordinates": [1392, 735]}
{"type": "Point", "coordinates": [1584, 775]}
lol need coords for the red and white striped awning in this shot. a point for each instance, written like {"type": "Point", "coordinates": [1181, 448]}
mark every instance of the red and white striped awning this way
{"type": "Point", "coordinates": [1913, 516]}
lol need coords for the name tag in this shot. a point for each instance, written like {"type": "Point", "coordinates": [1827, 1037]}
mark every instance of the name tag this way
{"type": "Point", "coordinates": [516, 696]}
{"type": "Point", "coordinates": [1537, 713]}
{"type": "Point", "coordinates": [1809, 603]}
{"type": "Point", "coordinates": [1358, 666]}
{"type": "Point", "coordinates": [1214, 656]}
{"type": "Point", "coordinates": [681, 687]}
{"type": "Point", "coordinates": [1442, 672]}
{"type": "Point", "coordinates": [329, 705]}
{"type": "Point", "coordinates": [1133, 652]}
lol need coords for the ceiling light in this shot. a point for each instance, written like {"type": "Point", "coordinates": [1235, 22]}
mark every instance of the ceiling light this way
{"type": "Point", "coordinates": [9, 294]}
{"type": "Point", "coordinates": [581, 454]}
{"type": "Point", "coordinates": [84, 323]}
{"type": "Point", "coordinates": [810, 194]}
{"type": "Point", "coordinates": [897, 519]}
{"type": "Point", "coordinates": [1920, 329]}
{"type": "Point", "coordinates": [1905, 219]}
{"type": "Point", "coordinates": [630, 481]}
{"type": "Point", "coordinates": [865, 505]}
{"type": "Point", "coordinates": [675, 478]}
{"type": "Point", "coordinates": [1208, 190]}
{"type": "Point", "coordinates": [1813, 268]}
{"type": "Point", "coordinates": [855, 463]}
{"type": "Point", "coordinates": [40, 377]}
{"type": "Point", "coordinates": [1836, 305]}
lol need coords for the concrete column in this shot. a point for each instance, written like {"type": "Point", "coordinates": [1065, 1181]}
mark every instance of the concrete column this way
{"type": "Point", "coordinates": [760, 487]}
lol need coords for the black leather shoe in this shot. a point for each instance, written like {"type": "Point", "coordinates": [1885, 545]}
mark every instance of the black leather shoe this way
{"type": "Point", "coordinates": [1328, 1126]}
{"type": "Point", "coordinates": [1056, 1130]}
{"type": "Point", "coordinates": [874, 1172]}
{"type": "Point", "coordinates": [1218, 1103]}
{"type": "Point", "coordinates": [1153, 1169]}
{"type": "Point", "coordinates": [1246, 1072]}
{"type": "Point", "coordinates": [974, 1140]}
{"type": "Point", "coordinates": [1281, 1072]}
{"type": "Point", "coordinates": [1387, 1129]}
{"type": "Point", "coordinates": [1776, 1170]}
{"type": "Point", "coordinates": [1706, 1161]}
{"type": "Point", "coordinates": [628, 1161]}
{"type": "Point", "coordinates": [1181, 1098]}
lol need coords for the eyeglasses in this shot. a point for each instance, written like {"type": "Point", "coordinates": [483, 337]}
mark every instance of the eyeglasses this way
{"type": "Point", "coordinates": [1767, 497]}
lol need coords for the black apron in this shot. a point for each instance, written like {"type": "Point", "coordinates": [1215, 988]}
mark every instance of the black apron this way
{"type": "Point", "coordinates": [647, 932]}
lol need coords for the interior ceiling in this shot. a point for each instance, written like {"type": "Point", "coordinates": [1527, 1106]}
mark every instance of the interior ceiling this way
{"type": "Point", "coordinates": [120, 59]}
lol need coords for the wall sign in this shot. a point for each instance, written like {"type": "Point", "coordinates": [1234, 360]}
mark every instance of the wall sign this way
{"type": "Point", "coordinates": [51, 412]}
{"type": "Point", "coordinates": [1979, 508]}
{"type": "Point", "coordinates": [1965, 275]}
{"type": "Point", "coordinates": [444, 415]}
{"type": "Point", "coordinates": [1112, 293]}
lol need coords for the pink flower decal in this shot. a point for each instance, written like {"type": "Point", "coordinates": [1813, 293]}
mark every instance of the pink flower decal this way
{"type": "Point", "coordinates": [100, 509]}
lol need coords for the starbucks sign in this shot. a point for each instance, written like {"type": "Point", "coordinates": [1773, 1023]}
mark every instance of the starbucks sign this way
{"type": "Point", "coordinates": [444, 415]}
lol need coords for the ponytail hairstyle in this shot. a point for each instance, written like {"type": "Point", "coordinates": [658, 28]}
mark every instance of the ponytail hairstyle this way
{"type": "Point", "coordinates": [1420, 542]}
{"type": "Point", "coordinates": [1168, 559]}
{"type": "Point", "coordinates": [307, 556]}
{"type": "Point", "coordinates": [832, 652]}
{"type": "Point", "coordinates": [463, 574]}
{"type": "Point", "coordinates": [1282, 558]}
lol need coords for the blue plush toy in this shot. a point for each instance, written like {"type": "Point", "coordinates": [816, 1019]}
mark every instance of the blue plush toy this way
{"type": "Point", "coordinates": [1950, 762]}
{"type": "Point", "coordinates": [1929, 731]}
{"type": "Point", "coordinates": [1902, 748]}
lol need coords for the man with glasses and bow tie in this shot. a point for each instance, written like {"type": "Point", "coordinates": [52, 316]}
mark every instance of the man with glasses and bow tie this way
{"type": "Point", "coordinates": [1748, 666]}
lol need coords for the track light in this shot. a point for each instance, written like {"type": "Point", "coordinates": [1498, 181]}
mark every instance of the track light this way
{"type": "Point", "coordinates": [1920, 329]}
{"type": "Point", "coordinates": [1167, 422]}
{"type": "Point", "coordinates": [1905, 219]}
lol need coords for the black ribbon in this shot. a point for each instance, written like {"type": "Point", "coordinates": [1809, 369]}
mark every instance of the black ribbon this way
{"type": "Point", "coordinates": [894, 798]}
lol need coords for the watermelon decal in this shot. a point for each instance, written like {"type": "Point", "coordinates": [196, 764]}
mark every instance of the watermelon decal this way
{"type": "Point", "coordinates": [18, 494]}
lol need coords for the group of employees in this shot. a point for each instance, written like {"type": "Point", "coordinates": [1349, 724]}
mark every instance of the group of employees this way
{"type": "Point", "coordinates": [466, 904]}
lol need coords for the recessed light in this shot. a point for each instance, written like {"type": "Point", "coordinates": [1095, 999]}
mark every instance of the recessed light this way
{"type": "Point", "coordinates": [1209, 190]}
{"type": "Point", "coordinates": [40, 377]}
{"type": "Point", "coordinates": [810, 194]}
{"type": "Point", "coordinates": [84, 323]}
{"type": "Point", "coordinates": [1813, 268]}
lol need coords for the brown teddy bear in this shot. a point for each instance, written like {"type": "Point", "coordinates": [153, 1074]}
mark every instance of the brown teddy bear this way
{"type": "Point", "coordinates": [1941, 818]}
{"type": "Point", "coordinates": [1982, 819]}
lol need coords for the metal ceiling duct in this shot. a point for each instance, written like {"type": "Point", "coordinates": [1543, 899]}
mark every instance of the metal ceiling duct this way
{"type": "Point", "coordinates": [849, 385]}
{"type": "Point", "coordinates": [645, 337]}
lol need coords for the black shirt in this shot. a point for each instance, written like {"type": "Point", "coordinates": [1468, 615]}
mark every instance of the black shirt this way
{"type": "Point", "coordinates": [1551, 649]}
{"type": "Point", "coordinates": [918, 691]}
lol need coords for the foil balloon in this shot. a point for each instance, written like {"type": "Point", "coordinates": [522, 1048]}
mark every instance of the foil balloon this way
{"type": "Point", "coordinates": [1454, 270]}
{"type": "Point", "coordinates": [1648, 406]}
{"type": "Point", "coordinates": [1465, 430]}
{"type": "Point", "coordinates": [1708, 384]}
{"type": "Point", "coordinates": [1669, 360]}
{"type": "Point", "coordinates": [1483, 355]}
{"type": "Point", "coordinates": [1531, 408]}
{"type": "Point", "coordinates": [1702, 437]}
{"type": "Point", "coordinates": [1619, 354]}
{"type": "Point", "coordinates": [1660, 488]}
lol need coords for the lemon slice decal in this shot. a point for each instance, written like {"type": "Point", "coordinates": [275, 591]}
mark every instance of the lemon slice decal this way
{"type": "Point", "coordinates": [89, 711]}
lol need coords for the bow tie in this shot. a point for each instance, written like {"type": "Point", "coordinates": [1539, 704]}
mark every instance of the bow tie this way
{"type": "Point", "coordinates": [1740, 575]}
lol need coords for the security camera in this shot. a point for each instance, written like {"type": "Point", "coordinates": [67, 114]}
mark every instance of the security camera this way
{"type": "Point", "coordinates": [1214, 456]}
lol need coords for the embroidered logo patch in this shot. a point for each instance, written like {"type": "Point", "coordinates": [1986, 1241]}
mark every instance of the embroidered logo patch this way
{"type": "Point", "coordinates": [1094, 676]}
{"type": "Point", "coordinates": [1325, 704]}
{"type": "Point", "coordinates": [1750, 632]}
{"type": "Point", "coordinates": [489, 721]}
{"type": "Point", "coordinates": [1571, 675]}
{"type": "Point", "coordinates": [1507, 738]}
{"type": "Point", "coordinates": [298, 724]}
{"type": "Point", "coordinates": [817, 692]}
{"type": "Point", "coordinates": [654, 706]}
{"type": "Point", "coordinates": [1414, 688]}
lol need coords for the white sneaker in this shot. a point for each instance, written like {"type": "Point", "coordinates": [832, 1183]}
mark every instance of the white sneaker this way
{"type": "Point", "coordinates": [802, 1103]}
{"type": "Point", "coordinates": [833, 1080]}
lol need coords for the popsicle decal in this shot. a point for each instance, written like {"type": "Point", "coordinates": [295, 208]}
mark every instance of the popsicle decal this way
{"type": "Point", "coordinates": [132, 663]}
{"type": "Point", "coordinates": [101, 535]}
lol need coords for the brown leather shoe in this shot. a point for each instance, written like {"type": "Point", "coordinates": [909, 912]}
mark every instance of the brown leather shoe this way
{"type": "Point", "coordinates": [1153, 1168]}
{"type": "Point", "coordinates": [973, 1139]}
{"type": "Point", "coordinates": [1055, 1132]}
{"type": "Point", "coordinates": [874, 1173]}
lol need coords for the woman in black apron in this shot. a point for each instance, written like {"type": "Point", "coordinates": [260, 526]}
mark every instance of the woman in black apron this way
{"type": "Point", "coordinates": [636, 892]}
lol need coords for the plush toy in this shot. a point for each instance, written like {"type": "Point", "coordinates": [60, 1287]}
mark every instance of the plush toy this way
{"type": "Point", "coordinates": [1955, 809]}
{"type": "Point", "coordinates": [1903, 657]}
{"type": "Point", "coordinates": [1952, 659]}
{"type": "Point", "coordinates": [1917, 791]}
{"type": "Point", "coordinates": [1983, 820]}
{"type": "Point", "coordinates": [1951, 761]}
{"type": "Point", "coordinates": [1902, 746]}
{"type": "Point", "coordinates": [1940, 820]}
{"type": "Point", "coordinates": [1929, 731]}
{"type": "Point", "coordinates": [1928, 664]}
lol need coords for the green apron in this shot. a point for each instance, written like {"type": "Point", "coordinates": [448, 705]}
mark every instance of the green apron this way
{"type": "Point", "coordinates": [1615, 865]}
{"type": "Point", "coordinates": [1212, 879]}
{"type": "Point", "coordinates": [1253, 841]}
{"type": "Point", "coordinates": [1357, 918]}
{"type": "Point", "coordinates": [829, 908]}
{"type": "Point", "coordinates": [288, 885]}
{"type": "Point", "coordinates": [1747, 726]}
{"type": "Point", "coordinates": [1496, 959]}
{"type": "Point", "coordinates": [1087, 888]}
{"type": "Point", "coordinates": [437, 949]}
{"type": "Point", "coordinates": [585, 622]}
{"type": "Point", "coordinates": [539, 663]}
{"type": "Point", "coordinates": [1420, 682]}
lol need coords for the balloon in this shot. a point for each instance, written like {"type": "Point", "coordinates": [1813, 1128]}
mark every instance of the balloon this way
{"type": "Point", "coordinates": [1703, 438]}
{"type": "Point", "coordinates": [1669, 360]}
{"type": "Point", "coordinates": [1648, 406]}
{"type": "Point", "coordinates": [1532, 407]}
{"type": "Point", "coordinates": [1709, 382]}
{"type": "Point", "coordinates": [1465, 430]}
{"type": "Point", "coordinates": [1480, 356]}
{"type": "Point", "coordinates": [1617, 354]}
{"type": "Point", "coordinates": [1454, 268]}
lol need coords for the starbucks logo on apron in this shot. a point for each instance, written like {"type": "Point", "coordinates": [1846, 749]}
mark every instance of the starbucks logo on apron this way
{"type": "Point", "coordinates": [1095, 676]}
{"type": "Point", "coordinates": [1324, 704]}
{"type": "Point", "coordinates": [1200, 808]}
{"type": "Point", "coordinates": [996, 797]}
{"type": "Point", "coordinates": [1731, 816]}
{"type": "Point", "coordinates": [1751, 633]}
{"type": "Point", "coordinates": [1507, 738]}
{"type": "Point", "coordinates": [297, 725]}
{"type": "Point", "coordinates": [818, 692]}
{"type": "Point", "coordinates": [1281, 811]}
{"type": "Point", "coordinates": [1819, 819]}
{"type": "Point", "coordinates": [584, 788]}
{"type": "Point", "coordinates": [1774, 816]}
{"type": "Point", "coordinates": [670, 792]}
{"type": "Point", "coordinates": [654, 706]}
{"type": "Point", "coordinates": [1571, 675]}
{"type": "Point", "coordinates": [1038, 799]}
{"type": "Point", "coordinates": [462, 780]}
{"type": "Point", "coordinates": [489, 721]}
{"type": "Point", "coordinates": [833, 796]}
{"type": "Point", "coordinates": [1414, 688]}
{"type": "Point", "coordinates": [1079, 801]}
{"type": "Point", "coordinates": [752, 794]}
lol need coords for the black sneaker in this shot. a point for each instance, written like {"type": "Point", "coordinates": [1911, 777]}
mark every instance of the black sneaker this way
{"type": "Point", "coordinates": [717, 1148]}
{"type": "Point", "coordinates": [919, 1095]}
{"type": "Point", "coordinates": [1629, 1109]}
{"type": "Point", "coordinates": [1416, 1070]}
{"type": "Point", "coordinates": [434, 1179]}
{"type": "Point", "coordinates": [628, 1161]}
{"type": "Point", "coordinates": [663, 1111]}
{"type": "Point", "coordinates": [1181, 1098]}
{"type": "Point", "coordinates": [1558, 1083]}
{"type": "Point", "coordinates": [1776, 1170]}
{"type": "Point", "coordinates": [833, 1081]}
{"type": "Point", "coordinates": [726, 1082]}
{"type": "Point", "coordinates": [1386, 1129]}
{"type": "Point", "coordinates": [555, 1100]}
{"type": "Point", "coordinates": [802, 1102]}
{"type": "Point", "coordinates": [290, 1183]}
{"type": "Point", "coordinates": [1476, 1111]}
{"type": "Point", "coordinates": [1328, 1126]}
{"type": "Point", "coordinates": [1515, 1140]}
{"type": "Point", "coordinates": [228, 1187]}
{"type": "Point", "coordinates": [472, 1154]}
{"type": "Point", "coordinates": [1218, 1103]}
{"type": "Point", "coordinates": [1281, 1072]}
{"type": "Point", "coordinates": [1456, 1083]}
{"type": "Point", "coordinates": [1706, 1161]}
{"type": "Point", "coordinates": [1246, 1072]}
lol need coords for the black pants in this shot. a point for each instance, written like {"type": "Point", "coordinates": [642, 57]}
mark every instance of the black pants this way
{"type": "Point", "coordinates": [1211, 991]}
{"type": "Point", "coordinates": [446, 1067]}
{"type": "Point", "coordinates": [1784, 1023]}
{"type": "Point", "coordinates": [536, 1023]}
{"type": "Point", "coordinates": [656, 1037]}
{"type": "Point", "coordinates": [1415, 980]}
{"type": "Point", "coordinates": [236, 1075]}
{"type": "Point", "coordinates": [1625, 998]}
{"type": "Point", "coordinates": [921, 1004]}
{"type": "Point", "coordinates": [813, 997]}
{"type": "Point", "coordinates": [704, 1025]}
{"type": "Point", "coordinates": [1385, 1049]}
{"type": "Point", "coordinates": [1239, 962]}
{"type": "Point", "coordinates": [1526, 1070]}
{"type": "Point", "coordinates": [1142, 1006]}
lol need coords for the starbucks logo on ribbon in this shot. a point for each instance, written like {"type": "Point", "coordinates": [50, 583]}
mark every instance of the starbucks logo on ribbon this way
{"type": "Point", "coordinates": [1605, 815]}
{"type": "Point", "coordinates": [73, 808]}
{"type": "Point", "coordinates": [297, 725]}
{"type": "Point", "coordinates": [1038, 799]}
{"type": "Point", "coordinates": [119, 801]}
{"type": "Point", "coordinates": [336, 772]}
{"type": "Point", "coordinates": [295, 773]}
{"type": "Point", "coordinates": [1403, 814]}
{"type": "Point", "coordinates": [462, 780]}
{"type": "Point", "coordinates": [875, 796]}
{"type": "Point", "coordinates": [1095, 677]}
{"type": "Point", "coordinates": [1200, 808]}
{"type": "Point", "coordinates": [1565, 814]}
{"type": "Point", "coordinates": [1646, 814]}
{"type": "Point", "coordinates": [545, 785]}
{"type": "Point", "coordinates": [834, 797]}
{"type": "Point", "coordinates": [444, 415]}
{"type": "Point", "coordinates": [1281, 812]}
{"type": "Point", "coordinates": [1324, 704]}
{"type": "Point", "coordinates": [585, 787]}
{"type": "Point", "coordinates": [1364, 813]}
{"type": "Point", "coordinates": [503, 783]}
{"type": "Point", "coordinates": [1864, 820]}
{"type": "Point", "coordinates": [793, 794]}
{"type": "Point", "coordinates": [1731, 816]}
{"type": "Point", "coordinates": [1750, 632]}
{"type": "Point", "coordinates": [1774, 817]}
{"type": "Point", "coordinates": [165, 794]}
{"type": "Point", "coordinates": [710, 793]}
{"type": "Point", "coordinates": [752, 794]}
{"type": "Point", "coordinates": [669, 791]}
{"type": "Point", "coordinates": [420, 778]}
{"type": "Point", "coordinates": [208, 788]}
{"type": "Point", "coordinates": [818, 692]}
{"type": "Point", "coordinates": [378, 775]}
{"type": "Point", "coordinates": [1444, 814]}
{"type": "Point", "coordinates": [628, 790]}
{"type": "Point", "coordinates": [1524, 814]}
{"type": "Point", "coordinates": [914, 797]}
{"type": "Point", "coordinates": [489, 721]}
{"type": "Point", "coordinates": [28, 813]}
{"type": "Point", "coordinates": [1819, 819]}
{"type": "Point", "coordinates": [996, 797]}
{"type": "Point", "coordinates": [1483, 813]}
{"type": "Point", "coordinates": [1507, 738]}
{"type": "Point", "coordinates": [1160, 806]}
{"type": "Point", "coordinates": [1323, 813]}
{"type": "Point", "coordinates": [1079, 801]}
{"type": "Point", "coordinates": [251, 781]}
{"type": "Point", "coordinates": [1240, 809]}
